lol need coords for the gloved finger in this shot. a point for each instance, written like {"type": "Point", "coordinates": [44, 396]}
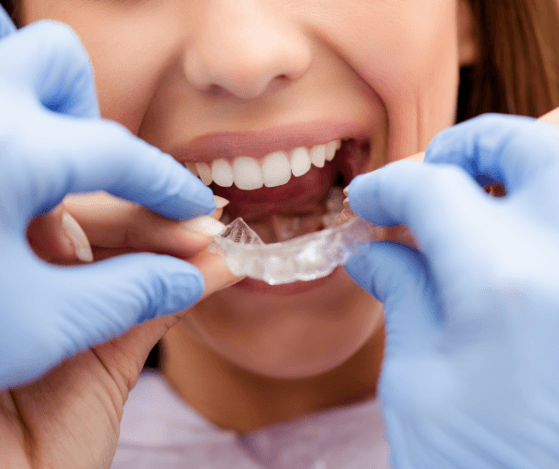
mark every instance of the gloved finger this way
{"type": "Point", "coordinates": [7, 26]}
{"type": "Point", "coordinates": [83, 155]}
{"type": "Point", "coordinates": [48, 59]}
{"type": "Point", "coordinates": [103, 155]}
{"type": "Point", "coordinates": [422, 197]}
{"type": "Point", "coordinates": [398, 277]}
{"type": "Point", "coordinates": [511, 150]}
{"type": "Point", "coordinates": [105, 299]}
{"type": "Point", "coordinates": [102, 300]}
{"type": "Point", "coordinates": [88, 305]}
{"type": "Point", "coordinates": [446, 211]}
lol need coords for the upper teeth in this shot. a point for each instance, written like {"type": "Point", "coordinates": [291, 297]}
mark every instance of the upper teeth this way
{"type": "Point", "coordinates": [274, 170]}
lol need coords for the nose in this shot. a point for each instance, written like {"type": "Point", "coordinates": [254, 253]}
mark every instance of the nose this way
{"type": "Point", "coordinates": [243, 48]}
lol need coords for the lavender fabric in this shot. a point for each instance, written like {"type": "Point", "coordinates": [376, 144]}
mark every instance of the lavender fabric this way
{"type": "Point", "coordinates": [159, 430]}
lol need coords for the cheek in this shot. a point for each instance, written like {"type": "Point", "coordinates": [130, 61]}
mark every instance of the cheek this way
{"type": "Point", "coordinates": [130, 48]}
{"type": "Point", "coordinates": [407, 52]}
{"type": "Point", "coordinates": [128, 76]}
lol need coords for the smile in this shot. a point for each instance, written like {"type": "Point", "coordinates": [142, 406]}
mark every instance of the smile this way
{"type": "Point", "coordinates": [274, 170]}
{"type": "Point", "coordinates": [281, 193]}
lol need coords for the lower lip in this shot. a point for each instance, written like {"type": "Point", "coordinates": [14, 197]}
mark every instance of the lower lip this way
{"type": "Point", "coordinates": [295, 288]}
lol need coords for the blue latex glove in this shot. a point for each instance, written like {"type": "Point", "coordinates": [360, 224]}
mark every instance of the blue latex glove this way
{"type": "Point", "coordinates": [471, 372]}
{"type": "Point", "coordinates": [53, 142]}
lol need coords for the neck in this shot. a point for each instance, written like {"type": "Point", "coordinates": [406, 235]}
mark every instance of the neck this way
{"type": "Point", "coordinates": [234, 398]}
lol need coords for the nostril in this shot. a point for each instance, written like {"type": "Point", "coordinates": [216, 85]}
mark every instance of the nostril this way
{"type": "Point", "coordinates": [216, 91]}
{"type": "Point", "coordinates": [278, 83]}
{"type": "Point", "coordinates": [221, 75]}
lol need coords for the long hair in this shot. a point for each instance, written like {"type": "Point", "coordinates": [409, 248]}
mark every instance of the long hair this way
{"type": "Point", "coordinates": [518, 71]}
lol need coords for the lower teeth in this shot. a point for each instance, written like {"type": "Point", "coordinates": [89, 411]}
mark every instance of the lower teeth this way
{"type": "Point", "coordinates": [279, 228]}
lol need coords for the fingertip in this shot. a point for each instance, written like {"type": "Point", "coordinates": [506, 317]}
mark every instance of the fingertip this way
{"type": "Point", "coordinates": [361, 193]}
{"type": "Point", "coordinates": [77, 237]}
{"type": "Point", "coordinates": [124, 291]}
{"type": "Point", "coordinates": [377, 196]}
{"type": "Point", "coordinates": [187, 287]}
{"type": "Point", "coordinates": [215, 271]}
{"type": "Point", "coordinates": [171, 285]}
{"type": "Point", "coordinates": [194, 197]}
{"type": "Point", "coordinates": [64, 79]}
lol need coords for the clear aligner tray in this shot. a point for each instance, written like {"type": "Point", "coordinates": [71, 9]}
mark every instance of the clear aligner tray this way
{"type": "Point", "coordinates": [305, 258]}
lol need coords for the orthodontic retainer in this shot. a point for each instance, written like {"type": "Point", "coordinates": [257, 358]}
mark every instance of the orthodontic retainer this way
{"type": "Point", "coordinates": [308, 257]}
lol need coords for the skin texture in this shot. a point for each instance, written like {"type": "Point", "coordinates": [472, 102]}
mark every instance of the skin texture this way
{"type": "Point", "coordinates": [167, 71]}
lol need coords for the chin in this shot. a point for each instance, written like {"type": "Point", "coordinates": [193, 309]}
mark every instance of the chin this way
{"type": "Point", "coordinates": [289, 335]}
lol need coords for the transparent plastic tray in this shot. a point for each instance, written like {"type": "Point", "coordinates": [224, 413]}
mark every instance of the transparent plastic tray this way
{"type": "Point", "coordinates": [303, 258]}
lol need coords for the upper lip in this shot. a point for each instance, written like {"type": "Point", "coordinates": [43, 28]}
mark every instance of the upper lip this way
{"type": "Point", "coordinates": [216, 145]}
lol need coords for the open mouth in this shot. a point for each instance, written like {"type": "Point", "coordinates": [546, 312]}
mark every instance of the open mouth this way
{"type": "Point", "coordinates": [285, 193]}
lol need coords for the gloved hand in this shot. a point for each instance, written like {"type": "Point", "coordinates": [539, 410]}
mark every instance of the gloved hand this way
{"type": "Point", "coordinates": [53, 142]}
{"type": "Point", "coordinates": [471, 371]}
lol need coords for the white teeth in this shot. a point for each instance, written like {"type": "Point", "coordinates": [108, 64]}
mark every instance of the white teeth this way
{"type": "Point", "coordinates": [276, 169]}
{"type": "Point", "coordinates": [331, 150]}
{"type": "Point", "coordinates": [222, 173]}
{"type": "Point", "coordinates": [318, 154]}
{"type": "Point", "coordinates": [300, 161]}
{"type": "Point", "coordinates": [204, 172]}
{"type": "Point", "coordinates": [247, 173]}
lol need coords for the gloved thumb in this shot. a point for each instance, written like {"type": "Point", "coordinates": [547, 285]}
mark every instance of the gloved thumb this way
{"type": "Point", "coordinates": [103, 300]}
{"type": "Point", "coordinates": [398, 277]}
{"type": "Point", "coordinates": [66, 310]}
{"type": "Point", "coordinates": [57, 72]}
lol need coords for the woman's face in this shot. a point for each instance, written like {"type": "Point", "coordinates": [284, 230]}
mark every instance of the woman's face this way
{"type": "Point", "coordinates": [208, 80]}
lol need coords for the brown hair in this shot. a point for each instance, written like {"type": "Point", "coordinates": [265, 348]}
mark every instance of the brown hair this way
{"type": "Point", "coordinates": [518, 72]}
